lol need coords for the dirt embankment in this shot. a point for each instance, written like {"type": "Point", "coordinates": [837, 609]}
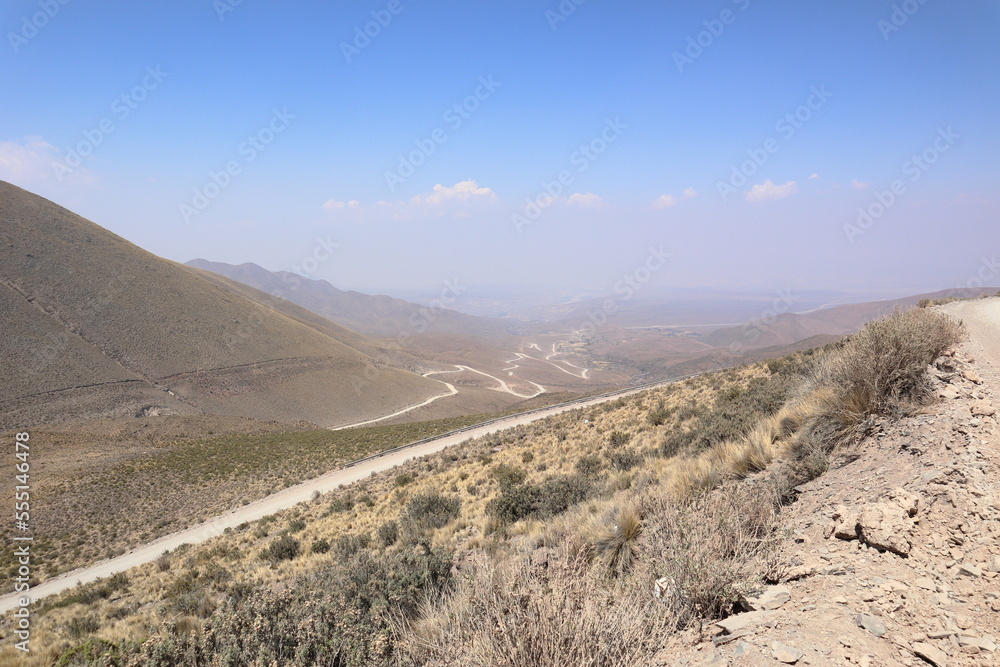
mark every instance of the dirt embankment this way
{"type": "Point", "coordinates": [893, 556]}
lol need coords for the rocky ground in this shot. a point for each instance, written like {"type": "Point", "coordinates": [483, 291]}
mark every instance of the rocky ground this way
{"type": "Point", "coordinates": [893, 556]}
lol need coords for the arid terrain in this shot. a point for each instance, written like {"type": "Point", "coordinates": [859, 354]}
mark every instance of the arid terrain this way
{"type": "Point", "coordinates": [879, 560]}
{"type": "Point", "coordinates": [893, 556]}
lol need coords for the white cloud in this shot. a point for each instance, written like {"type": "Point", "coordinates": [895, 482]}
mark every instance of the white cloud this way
{"type": "Point", "coordinates": [855, 183]}
{"type": "Point", "coordinates": [32, 163]}
{"type": "Point", "coordinates": [333, 204]}
{"type": "Point", "coordinates": [813, 177]}
{"type": "Point", "coordinates": [455, 200]}
{"type": "Point", "coordinates": [462, 191]}
{"type": "Point", "coordinates": [589, 199]}
{"type": "Point", "coordinates": [768, 191]}
{"type": "Point", "coordinates": [664, 201]}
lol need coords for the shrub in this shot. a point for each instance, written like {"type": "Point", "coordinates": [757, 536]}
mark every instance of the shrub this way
{"type": "Point", "coordinates": [617, 438]}
{"type": "Point", "coordinates": [295, 525]}
{"type": "Point", "coordinates": [284, 548]}
{"type": "Point", "coordinates": [81, 626]}
{"type": "Point", "coordinates": [431, 510]}
{"type": "Point", "coordinates": [711, 550]}
{"type": "Point", "coordinates": [881, 369]}
{"type": "Point", "coordinates": [91, 652]}
{"type": "Point", "coordinates": [341, 504]}
{"type": "Point", "coordinates": [348, 545]}
{"type": "Point", "coordinates": [527, 457]}
{"type": "Point", "coordinates": [388, 533]}
{"type": "Point", "coordinates": [514, 503]}
{"type": "Point", "coordinates": [404, 478]}
{"type": "Point", "coordinates": [589, 466]}
{"type": "Point", "coordinates": [163, 561]}
{"type": "Point", "coordinates": [561, 492]}
{"type": "Point", "coordinates": [676, 442]}
{"type": "Point", "coordinates": [624, 461]}
{"type": "Point", "coordinates": [320, 546]}
{"type": "Point", "coordinates": [508, 613]}
{"type": "Point", "coordinates": [508, 476]}
{"type": "Point", "coordinates": [659, 415]}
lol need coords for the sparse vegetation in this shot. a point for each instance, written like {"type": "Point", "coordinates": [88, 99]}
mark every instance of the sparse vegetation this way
{"type": "Point", "coordinates": [600, 516]}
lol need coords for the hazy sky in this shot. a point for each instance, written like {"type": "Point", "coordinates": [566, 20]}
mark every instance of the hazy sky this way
{"type": "Point", "coordinates": [397, 144]}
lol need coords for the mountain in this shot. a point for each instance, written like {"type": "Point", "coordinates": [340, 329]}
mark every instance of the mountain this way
{"type": "Point", "coordinates": [95, 326]}
{"type": "Point", "coordinates": [373, 315]}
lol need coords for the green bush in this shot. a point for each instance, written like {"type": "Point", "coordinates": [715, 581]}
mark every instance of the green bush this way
{"type": "Point", "coordinates": [431, 510]}
{"type": "Point", "coordinates": [284, 548]}
{"type": "Point", "coordinates": [404, 478]}
{"type": "Point", "coordinates": [341, 504]}
{"type": "Point", "coordinates": [348, 545]}
{"type": "Point", "coordinates": [589, 466]}
{"type": "Point", "coordinates": [81, 626]}
{"type": "Point", "coordinates": [514, 503]}
{"type": "Point", "coordinates": [624, 461]}
{"type": "Point", "coordinates": [659, 415]}
{"type": "Point", "coordinates": [320, 546]}
{"type": "Point", "coordinates": [508, 476]}
{"type": "Point", "coordinates": [561, 492]}
{"type": "Point", "coordinates": [388, 533]}
{"type": "Point", "coordinates": [617, 438]}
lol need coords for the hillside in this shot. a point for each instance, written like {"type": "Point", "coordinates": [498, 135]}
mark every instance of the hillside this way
{"type": "Point", "coordinates": [95, 326]}
{"type": "Point", "coordinates": [373, 315]}
{"type": "Point", "coordinates": [637, 532]}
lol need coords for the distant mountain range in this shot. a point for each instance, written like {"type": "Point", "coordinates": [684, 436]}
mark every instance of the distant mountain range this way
{"type": "Point", "coordinates": [373, 315]}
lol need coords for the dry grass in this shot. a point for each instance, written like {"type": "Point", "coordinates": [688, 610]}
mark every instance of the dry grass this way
{"type": "Point", "coordinates": [511, 613]}
{"type": "Point", "coordinates": [700, 524]}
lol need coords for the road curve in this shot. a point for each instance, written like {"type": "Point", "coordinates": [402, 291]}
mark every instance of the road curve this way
{"type": "Point", "coordinates": [295, 494]}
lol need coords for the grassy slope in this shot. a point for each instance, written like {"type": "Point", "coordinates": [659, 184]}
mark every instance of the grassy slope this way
{"type": "Point", "coordinates": [145, 317]}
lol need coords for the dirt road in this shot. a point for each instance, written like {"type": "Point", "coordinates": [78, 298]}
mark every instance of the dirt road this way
{"type": "Point", "coordinates": [982, 319]}
{"type": "Point", "coordinates": [284, 499]}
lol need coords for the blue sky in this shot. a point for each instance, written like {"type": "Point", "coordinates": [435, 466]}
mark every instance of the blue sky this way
{"type": "Point", "coordinates": [309, 129]}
